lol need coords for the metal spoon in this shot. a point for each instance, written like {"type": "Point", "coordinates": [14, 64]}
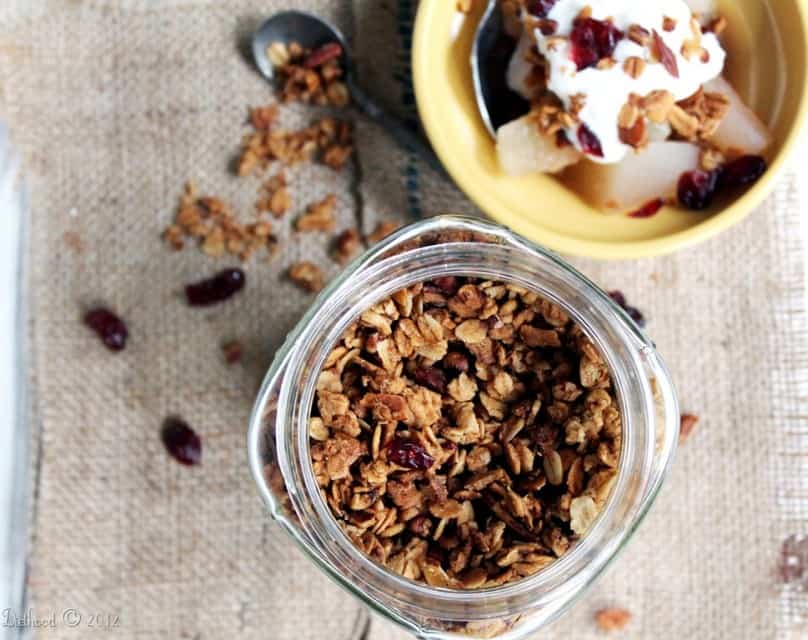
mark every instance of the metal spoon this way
{"type": "Point", "coordinates": [312, 32]}
{"type": "Point", "coordinates": [490, 55]}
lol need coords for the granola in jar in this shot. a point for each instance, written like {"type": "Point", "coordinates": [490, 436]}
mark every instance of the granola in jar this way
{"type": "Point", "coordinates": [465, 433]}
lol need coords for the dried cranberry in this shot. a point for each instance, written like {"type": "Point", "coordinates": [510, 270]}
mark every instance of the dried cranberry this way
{"type": "Point", "coordinates": [633, 312]}
{"type": "Point", "coordinates": [592, 40]}
{"type": "Point", "coordinates": [409, 454]}
{"type": "Point", "coordinates": [431, 378]}
{"type": "Point", "coordinates": [696, 189]}
{"type": "Point", "coordinates": [794, 559]}
{"type": "Point", "coordinates": [447, 284]}
{"type": "Point", "coordinates": [562, 139]}
{"type": "Point", "coordinates": [109, 327]}
{"type": "Point", "coordinates": [742, 172]}
{"type": "Point", "coordinates": [181, 441]}
{"type": "Point", "coordinates": [648, 209]}
{"type": "Point", "coordinates": [540, 8]}
{"type": "Point", "coordinates": [457, 361]}
{"type": "Point", "coordinates": [589, 141]}
{"type": "Point", "coordinates": [216, 289]}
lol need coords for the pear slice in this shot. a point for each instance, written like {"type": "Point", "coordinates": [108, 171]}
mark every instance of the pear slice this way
{"type": "Point", "coordinates": [522, 149]}
{"type": "Point", "coordinates": [637, 179]}
{"type": "Point", "coordinates": [741, 130]}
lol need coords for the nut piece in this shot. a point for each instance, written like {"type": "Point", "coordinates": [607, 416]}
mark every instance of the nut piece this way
{"type": "Point", "coordinates": [347, 245]}
{"type": "Point", "coordinates": [613, 619]}
{"type": "Point", "coordinates": [634, 66]}
{"type": "Point", "coordinates": [307, 276]}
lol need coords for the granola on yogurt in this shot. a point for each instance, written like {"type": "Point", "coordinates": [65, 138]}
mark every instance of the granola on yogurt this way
{"type": "Point", "coordinates": [465, 433]}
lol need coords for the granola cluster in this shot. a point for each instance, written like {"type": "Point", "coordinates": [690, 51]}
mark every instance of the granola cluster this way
{"type": "Point", "coordinates": [313, 76]}
{"type": "Point", "coordinates": [465, 433]}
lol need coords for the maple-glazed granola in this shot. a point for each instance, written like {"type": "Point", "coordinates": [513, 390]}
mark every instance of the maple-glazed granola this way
{"type": "Point", "coordinates": [465, 433]}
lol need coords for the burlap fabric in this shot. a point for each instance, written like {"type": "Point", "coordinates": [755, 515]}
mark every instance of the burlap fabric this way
{"type": "Point", "coordinates": [114, 105]}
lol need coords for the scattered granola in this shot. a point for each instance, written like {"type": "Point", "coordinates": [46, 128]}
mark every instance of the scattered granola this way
{"type": "Point", "coordinates": [212, 223]}
{"type": "Point", "coordinates": [347, 245]}
{"type": "Point", "coordinates": [687, 424]}
{"type": "Point", "coordinates": [319, 215]}
{"type": "Point", "coordinates": [382, 230]}
{"type": "Point", "coordinates": [310, 76]}
{"type": "Point", "coordinates": [329, 137]}
{"type": "Point", "coordinates": [613, 619]}
{"type": "Point", "coordinates": [275, 196]}
{"type": "Point", "coordinates": [465, 433]}
{"type": "Point", "coordinates": [307, 275]}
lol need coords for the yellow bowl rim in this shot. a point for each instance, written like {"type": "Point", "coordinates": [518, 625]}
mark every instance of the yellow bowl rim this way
{"type": "Point", "coordinates": [705, 230]}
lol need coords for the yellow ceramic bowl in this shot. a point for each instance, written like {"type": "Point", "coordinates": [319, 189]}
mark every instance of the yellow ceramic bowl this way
{"type": "Point", "coordinates": [768, 55]}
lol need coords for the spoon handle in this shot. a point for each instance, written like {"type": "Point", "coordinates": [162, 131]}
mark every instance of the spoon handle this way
{"type": "Point", "coordinates": [406, 138]}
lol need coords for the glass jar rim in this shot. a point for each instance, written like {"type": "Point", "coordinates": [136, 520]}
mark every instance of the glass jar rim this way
{"type": "Point", "coordinates": [377, 263]}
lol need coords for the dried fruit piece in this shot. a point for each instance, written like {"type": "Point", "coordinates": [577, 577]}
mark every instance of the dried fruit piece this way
{"type": "Point", "coordinates": [181, 441]}
{"type": "Point", "coordinates": [696, 189]}
{"type": "Point", "coordinates": [220, 287]}
{"type": "Point", "coordinates": [634, 313]}
{"type": "Point", "coordinates": [648, 210]}
{"type": "Point", "coordinates": [409, 454]}
{"type": "Point", "coordinates": [540, 8]}
{"type": "Point", "coordinates": [613, 619]}
{"type": "Point", "coordinates": [232, 351]}
{"type": "Point", "coordinates": [741, 172]}
{"type": "Point", "coordinates": [687, 423]}
{"type": "Point", "coordinates": [109, 327]}
{"type": "Point", "coordinates": [431, 377]}
{"type": "Point", "coordinates": [592, 40]}
{"type": "Point", "coordinates": [318, 57]}
{"type": "Point", "coordinates": [794, 559]}
{"type": "Point", "coordinates": [589, 141]}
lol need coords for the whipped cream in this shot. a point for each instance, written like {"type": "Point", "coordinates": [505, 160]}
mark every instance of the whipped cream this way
{"type": "Point", "coordinates": [607, 90]}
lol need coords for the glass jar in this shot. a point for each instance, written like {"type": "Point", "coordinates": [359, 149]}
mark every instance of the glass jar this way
{"type": "Point", "coordinates": [279, 442]}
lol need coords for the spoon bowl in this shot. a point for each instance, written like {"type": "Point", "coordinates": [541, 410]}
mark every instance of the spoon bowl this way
{"type": "Point", "coordinates": [294, 26]}
{"type": "Point", "coordinates": [490, 54]}
{"type": "Point", "coordinates": [312, 32]}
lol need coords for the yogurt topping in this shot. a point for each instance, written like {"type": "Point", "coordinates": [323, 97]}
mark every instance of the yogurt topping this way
{"type": "Point", "coordinates": [606, 89]}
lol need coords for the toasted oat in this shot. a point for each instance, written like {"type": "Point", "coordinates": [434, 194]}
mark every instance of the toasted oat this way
{"type": "Point", "coordinates": [319, 216]}
{"type": "Point", "coordinates": [307, 276]}
{"type": "Point", "coordinates": [452, 399]}
{"type": "Point", "coordinates": [711, 159]}
{"type": "Point", "coordinates": [613, 619]}
{"type": "Point", "coordinates": [275, 196]}
{"type": "Point", "coordinates": [716, 25]}
{"type": "Point", "coordinates": [668, 23]}
{"type": "Point", "coordinates": [657, 105]}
